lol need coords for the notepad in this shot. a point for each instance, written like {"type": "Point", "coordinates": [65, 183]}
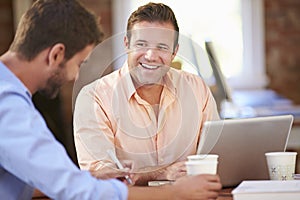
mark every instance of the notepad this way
{"type": "Point", "coordinates": [267, 190]}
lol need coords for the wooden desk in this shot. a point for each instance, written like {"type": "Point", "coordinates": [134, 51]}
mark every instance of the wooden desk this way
{"type": "Point", "coordinates": [225, 194]}
{"type": "Point", "coordinates": [39, 195]}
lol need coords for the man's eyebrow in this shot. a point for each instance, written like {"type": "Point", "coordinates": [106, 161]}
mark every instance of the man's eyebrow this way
{"type": "Point", "coordinates": [159, 44]}
{"type": "Point", "coordinates": [140, 41]}
{"type": "Point", "coordinates": [163, 44]}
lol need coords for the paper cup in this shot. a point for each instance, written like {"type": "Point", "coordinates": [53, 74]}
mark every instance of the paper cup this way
{"type": "Point", "coordinates": [203, 157]}
{"type": "Point", "coordinates": [281, 165]}
{"type": "Point", "coordinates": [201, 167]}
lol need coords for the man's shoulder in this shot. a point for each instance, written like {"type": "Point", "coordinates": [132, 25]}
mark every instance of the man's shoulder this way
{"type": "Point", "coordinates": [106, 82]}
{"type": "Point", "coordinates": [114, 75]}
{"type": "Point", "coordinates": [11, 93]}
{"type": "Point", "coordinates": [11, 84]}
{"type": "Point", "coordinates": [9, 87]}
{"type": "Point", "coordinates": [180, 75]}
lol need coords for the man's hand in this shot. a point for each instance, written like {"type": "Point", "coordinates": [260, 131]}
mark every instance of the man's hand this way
{"type": "Point", "coordinates": [173, 171]}
{"type": "Point", "coordinates": [170, 172]}
{"type": "Point", "coordinates": [200, 187]}
{"type": "Point", "coordinates": [204, 186]}
{"type": "Point", "coordinates": [108, 171]}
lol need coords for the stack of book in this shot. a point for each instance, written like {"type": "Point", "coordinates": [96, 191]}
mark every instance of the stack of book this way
{"type": "Point", "coordinates": [267, 190]}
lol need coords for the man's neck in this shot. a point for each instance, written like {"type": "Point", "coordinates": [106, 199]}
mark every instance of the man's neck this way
{"type": "Point", "coordinates": [150, 93]}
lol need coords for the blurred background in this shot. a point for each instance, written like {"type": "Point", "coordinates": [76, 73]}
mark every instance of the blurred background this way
{"type": "Point", "coordinates": [257, 43]}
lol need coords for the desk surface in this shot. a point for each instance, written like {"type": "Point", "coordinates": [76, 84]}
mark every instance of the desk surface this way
{"type": "Point", "coordinates": [225, 194]}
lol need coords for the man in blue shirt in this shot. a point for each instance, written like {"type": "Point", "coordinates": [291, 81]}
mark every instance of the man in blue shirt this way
{"type": "Point", "coordinates": [52, 40]}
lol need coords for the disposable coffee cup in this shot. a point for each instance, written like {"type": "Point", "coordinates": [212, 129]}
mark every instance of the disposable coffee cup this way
{"type": "Point", "coordinates": [281, 165]}
{"type": "Point", "coordinates": [201, 167]}
{"type": "Point", "coordinates": [203, 157]}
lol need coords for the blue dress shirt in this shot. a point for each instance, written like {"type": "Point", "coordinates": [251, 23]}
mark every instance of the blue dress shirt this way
{"type": "Point", "coordinates": [31, 157]}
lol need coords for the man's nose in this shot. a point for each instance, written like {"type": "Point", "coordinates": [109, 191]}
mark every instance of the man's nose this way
{"type": "Point", "coordinates": [151, 54]}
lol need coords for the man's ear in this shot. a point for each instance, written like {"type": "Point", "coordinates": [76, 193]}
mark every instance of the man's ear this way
{"type": "Point", "coordinates": [56, 54]}
{"type": "Point", "coordinates": [175, 51]}
{"type": "Point", "coordinates": [126, 43]}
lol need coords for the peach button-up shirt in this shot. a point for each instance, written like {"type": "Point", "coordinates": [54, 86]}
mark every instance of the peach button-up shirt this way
{"type": "Point", "coordinates": [109, 114]}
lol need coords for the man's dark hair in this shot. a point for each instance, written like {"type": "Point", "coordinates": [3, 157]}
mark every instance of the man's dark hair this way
{"type": "Point", "coordinates": [153, 12]}
{"type": "Point", "coordinates": [49, 22]}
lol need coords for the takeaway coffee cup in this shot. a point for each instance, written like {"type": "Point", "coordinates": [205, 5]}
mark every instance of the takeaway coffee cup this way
{"type": "Point", "coordinates": [281, 165]}
{"type": "Point", "coordinates": [201, 167]}
{"type": "Point", "coordinates": [202, 164]}
{"type": "Point", "coordinates": [203, 157]}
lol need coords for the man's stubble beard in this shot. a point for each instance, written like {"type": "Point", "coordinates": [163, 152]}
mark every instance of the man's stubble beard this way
{"type": "Point", "coordinates": [54, 83]}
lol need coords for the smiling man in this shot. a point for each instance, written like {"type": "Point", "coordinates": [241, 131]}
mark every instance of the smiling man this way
{"type": "Point", "coordinates": [150, 114]}
{"type": "Point", "coordinates": [52, 40]}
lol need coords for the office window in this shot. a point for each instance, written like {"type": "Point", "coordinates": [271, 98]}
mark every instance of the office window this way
{"type": "Point", "coordinates": [234, 26]}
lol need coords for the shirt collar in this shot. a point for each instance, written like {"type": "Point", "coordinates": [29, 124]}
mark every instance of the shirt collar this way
{"type": "Point", "coordinates": [127, 81]}
{"type": "Point", "coordinates": [7, 75]}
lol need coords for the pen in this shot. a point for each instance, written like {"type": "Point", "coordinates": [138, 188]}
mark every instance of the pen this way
{"type": "Point", "coordinates": [118, 163]}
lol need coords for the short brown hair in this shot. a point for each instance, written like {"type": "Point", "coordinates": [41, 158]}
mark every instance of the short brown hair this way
{"type": "Point", "coordinates": [153, 12]}
{"type": "Point", "coordinates": [49, 22]}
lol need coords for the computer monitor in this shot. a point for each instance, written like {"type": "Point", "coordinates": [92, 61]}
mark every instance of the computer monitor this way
{"type": "Point", "coordinates": [222, 90]}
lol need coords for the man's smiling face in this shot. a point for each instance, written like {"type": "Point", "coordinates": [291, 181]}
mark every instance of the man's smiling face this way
{"type": "Point", "coordinates": [150, 51]}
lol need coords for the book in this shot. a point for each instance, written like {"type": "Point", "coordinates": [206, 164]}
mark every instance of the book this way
{"type": "Point", "coordinates": [267, 190]}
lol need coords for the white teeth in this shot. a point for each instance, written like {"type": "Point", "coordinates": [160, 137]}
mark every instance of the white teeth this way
{"type": "Point", "coordinates": [150, 66]}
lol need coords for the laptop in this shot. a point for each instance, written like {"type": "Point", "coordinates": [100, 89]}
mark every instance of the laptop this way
{"type": "Point", "coordinates": [242, 143]}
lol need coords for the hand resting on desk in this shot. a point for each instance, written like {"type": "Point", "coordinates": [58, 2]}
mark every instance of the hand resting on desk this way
{"type": "Point", "coordinates": [174, 171]}
{"type": "Point", "coordinates": [141, 176]}
{"type": "Point", "coordinates": [204, 186]}
{"type": "Point", "coordinates": [170, 172]}
{"type": "Point", "coordinates": [108, 171]}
